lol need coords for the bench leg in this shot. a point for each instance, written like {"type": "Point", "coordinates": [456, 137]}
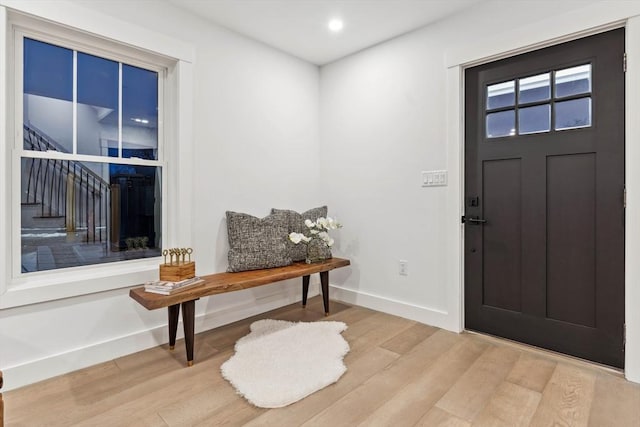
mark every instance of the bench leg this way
{"type": "Point", "coordinates": [324, 282]}
{"type": "Point", "coordinates": [305, 290]}
{"type": "Point", "coordinates": [174, 310]}
{"type": "Point", "coordinates": [188, 320]}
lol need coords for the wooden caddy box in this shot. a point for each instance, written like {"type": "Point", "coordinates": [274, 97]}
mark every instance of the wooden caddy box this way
{"type": "Point", "coordinates": [178, 272]}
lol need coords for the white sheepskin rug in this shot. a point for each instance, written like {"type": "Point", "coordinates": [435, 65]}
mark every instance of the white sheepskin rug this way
{"type": "Point", "coordinates": [281, 362]}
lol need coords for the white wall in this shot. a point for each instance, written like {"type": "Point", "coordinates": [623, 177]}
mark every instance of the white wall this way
{"type": "Point", "coordinates": [255, 127]}
{"type": "Point", "coordinates": [392, 111]}
{"type": "Point", "coordinates": [382, 123]}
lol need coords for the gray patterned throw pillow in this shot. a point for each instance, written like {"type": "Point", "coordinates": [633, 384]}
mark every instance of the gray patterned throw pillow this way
{"type": "Point", "coordinates": [296, 224]}
{"type": "Point", "coordinates": [256, 243]}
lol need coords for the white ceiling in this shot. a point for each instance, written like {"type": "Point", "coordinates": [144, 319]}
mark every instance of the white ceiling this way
{"type": "Point", "coordinates": [299, 27]}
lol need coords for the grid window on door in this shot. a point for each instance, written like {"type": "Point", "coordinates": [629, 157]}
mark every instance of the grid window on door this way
{"type": "Point", "coordinates": [556, 100]}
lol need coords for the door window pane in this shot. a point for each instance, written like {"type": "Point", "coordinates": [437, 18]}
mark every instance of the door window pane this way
{"type": "Point", "coordinates": [573, 114]}
{"type": "Point", "coordinates": [501, 95]}
{"type": "Point", "coordinates": [534, 88]}
{"type": "Point", "coordinates": [48, 93]}
{"type": "Point", "coordinates": [573, 81]}
{"type": "Point", "coordinates": [97, 103]}
{"type": "Point", "coordinates": [534, 119]}
{"type": "Point", "coordinates": [139, 113]}
{"type": "Point", "coordinates": [500, 124]}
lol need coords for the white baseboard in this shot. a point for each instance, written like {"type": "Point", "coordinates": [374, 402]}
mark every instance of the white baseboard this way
{"type": "Point", "coordinates": [429, 316]}
{"type": "Point", "coordinates": [79, 358]}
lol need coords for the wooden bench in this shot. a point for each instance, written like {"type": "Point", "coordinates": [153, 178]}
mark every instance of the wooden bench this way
{"type": "Point", "coordinates": [228, 282]}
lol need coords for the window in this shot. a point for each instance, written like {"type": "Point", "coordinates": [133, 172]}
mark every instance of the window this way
{"type": "Point", "coordinates": [552, 101]}
{"type": "Point", "coordinates": [105, 41]}
{"type": "Point", "coordinates": [90, 159]}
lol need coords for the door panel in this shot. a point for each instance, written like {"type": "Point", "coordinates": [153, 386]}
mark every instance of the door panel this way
{"type": "Point", "coordinates": [544, 166]}
{"type": "Point", "coordinates": [571, 248]}
{"type": "Point", "coordinates": [502, 238]}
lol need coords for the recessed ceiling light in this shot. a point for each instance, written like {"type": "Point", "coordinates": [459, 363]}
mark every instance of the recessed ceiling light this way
{"type": "Point", "coordinates": [335, 25]}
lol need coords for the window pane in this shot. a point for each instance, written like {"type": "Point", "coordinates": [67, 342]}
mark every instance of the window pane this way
{"type": "Point", "coordinates": [97, 103]}
{"type": "Point", "coordinates": [573, 81]}
{"type": "Point", "coordinates": [534, 119]}
{"type": "Point", "coordinates": [501, 124]}
{"type": "Point", "coordinates": [501, 95]}
{"type": "Point", "coordinates": [573, 114]}
{"type": "Point", "coordinates": [139, 113]}
{"type": "Point", "coordinates": [534, 88]}
{"type": "Point", "coordinates": [48, 93]}
{"type": "Point", "coordinates": [83, 213]}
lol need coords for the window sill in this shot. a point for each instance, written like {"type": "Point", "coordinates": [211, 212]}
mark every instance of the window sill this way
{"type": "Point", "coordinates": [49, 286]}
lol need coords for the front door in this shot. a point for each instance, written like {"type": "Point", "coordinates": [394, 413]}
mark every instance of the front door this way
{"type": "Point", "coordinates": [544, 198]}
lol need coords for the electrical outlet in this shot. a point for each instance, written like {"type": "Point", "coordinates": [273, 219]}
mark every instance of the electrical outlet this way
{"type": "Point", "coordinates": [403, 267]}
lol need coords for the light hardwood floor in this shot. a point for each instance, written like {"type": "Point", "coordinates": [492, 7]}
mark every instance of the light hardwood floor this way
{"type": "Point", "coordinates": [400, 373]}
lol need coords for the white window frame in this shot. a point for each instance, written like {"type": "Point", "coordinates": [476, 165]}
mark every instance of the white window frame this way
{"type": "Point", "coordinates": [19, 34]}
{"type": "Point", "coordinates": [138, 48]}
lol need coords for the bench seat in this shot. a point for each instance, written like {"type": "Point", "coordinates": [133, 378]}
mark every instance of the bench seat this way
{"type": "Point", "coordinates": [229, 282]}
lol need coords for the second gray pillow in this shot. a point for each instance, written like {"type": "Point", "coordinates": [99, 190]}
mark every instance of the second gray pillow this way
{"type": "Point", "coordinates": [298, 252]}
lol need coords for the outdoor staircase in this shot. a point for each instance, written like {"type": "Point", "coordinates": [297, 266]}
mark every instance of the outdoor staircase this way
{"type": "Point", "coordinates": [33, 216]}
{"type": "Point", "coordinates": [63, 203]}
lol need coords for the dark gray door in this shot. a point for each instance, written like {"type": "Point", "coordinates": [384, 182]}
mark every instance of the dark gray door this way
{"type": "Point", "coordinates": [544, 167]}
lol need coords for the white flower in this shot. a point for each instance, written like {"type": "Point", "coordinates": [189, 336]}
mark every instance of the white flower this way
{"type": "Point", "coordinates": [322, 223]}
{"type": "Point", "coordinates": [296, 237]}
{"type": "Point", "coordinates": [318, 230]}
{"type": "Point", "coordinates": [332, 224]}
{"type": "Point", "coordinates": [324, 236]}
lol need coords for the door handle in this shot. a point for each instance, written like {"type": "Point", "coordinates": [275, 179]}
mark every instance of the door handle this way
{"type": "Point", "coordinates": [476, 220]}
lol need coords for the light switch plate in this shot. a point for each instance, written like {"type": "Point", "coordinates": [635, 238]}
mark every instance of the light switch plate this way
{"type": "Point", "coordinates": [434, 178]}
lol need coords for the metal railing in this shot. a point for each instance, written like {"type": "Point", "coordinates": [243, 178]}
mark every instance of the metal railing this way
{"type": "Point", "coordinates": [65, 188]}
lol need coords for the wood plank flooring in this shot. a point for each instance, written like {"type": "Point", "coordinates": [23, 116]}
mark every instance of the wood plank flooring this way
{"type": "Point", "coordinates": [400, 373]}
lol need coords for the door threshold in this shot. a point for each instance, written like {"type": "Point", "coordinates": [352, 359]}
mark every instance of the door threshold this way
{"type": "Point", "coordinates": [559, 357]}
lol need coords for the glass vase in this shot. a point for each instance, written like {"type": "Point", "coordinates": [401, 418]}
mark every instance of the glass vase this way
{"type": "Point", "coordinates": [317, 251]}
